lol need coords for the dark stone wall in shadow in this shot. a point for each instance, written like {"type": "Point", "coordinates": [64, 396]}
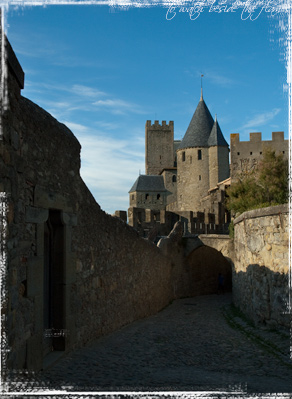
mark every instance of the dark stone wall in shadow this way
{"type": "Point", "coordinates": [204, 265]}
{"type": "Point", "coordinates": [263, 295]}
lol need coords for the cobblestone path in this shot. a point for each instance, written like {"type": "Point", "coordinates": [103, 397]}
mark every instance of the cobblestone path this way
{"type": "Point", "coordinates": [195, 344]}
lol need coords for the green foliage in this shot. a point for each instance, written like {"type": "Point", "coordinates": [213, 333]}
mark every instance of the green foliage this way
{"type": "Point", "coordinates": [231, 229]}
{"type": "Point", "coordinates": [266, 186]}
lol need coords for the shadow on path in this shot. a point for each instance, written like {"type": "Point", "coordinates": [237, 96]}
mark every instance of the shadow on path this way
{"type": "Point", "coordinates": [195, 344]}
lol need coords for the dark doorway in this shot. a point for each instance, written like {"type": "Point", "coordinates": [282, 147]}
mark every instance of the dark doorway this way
{"type": "Point", "coordinates": [204, 265]}
{"type": "Point", "coordinates": [54, 283]}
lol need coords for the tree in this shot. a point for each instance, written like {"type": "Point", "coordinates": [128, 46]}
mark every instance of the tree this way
{"type": "Point", "coordinates": [267, 185]}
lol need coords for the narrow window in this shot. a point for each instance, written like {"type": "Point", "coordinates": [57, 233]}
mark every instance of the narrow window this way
{"type": "Point", "coordinates": [146, 196]}
{"type": "Point", "coordinates": [191, 159]}
{"type": "Point", "coordinates": [283, 152]}
{"type": "Point", "coordinates": [199, 154]}
{"type": "Point", "coordinates": [200, 178]}
{"type": "Point", "coordinates": [174, 178]}
{"type": "Point", "coordinates": [158, 196]}
{"type": "Point", "coordinates": [183, 156]}
{"type": "Point", "coordinates": [260, 153]}
{"type": "Point", "coordinates": [238, 153]}
{"type": "Point", "coordinates": [250, 153]}
{"type": "Point", "coordinates": [133, 196]}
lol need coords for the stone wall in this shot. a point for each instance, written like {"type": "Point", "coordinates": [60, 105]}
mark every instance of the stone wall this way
{"type": "Point", "coordinates": [159, 147]}
{"type": "Point", "coordinates": [222, 243]}
{"type": "Point", "coordinates": [192, 178]}
{"type": "Point", "coordinates": [261, 265]}
{"type": "Point", "coordinates": [73, 272]}
{"type": "Point", "coordinates": [245, 155]}
{"type": "Point", "coordinates": [200, 264]}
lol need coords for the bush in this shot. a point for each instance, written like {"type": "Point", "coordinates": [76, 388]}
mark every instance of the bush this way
{"type": "Point", "coordinates": [266, 186]}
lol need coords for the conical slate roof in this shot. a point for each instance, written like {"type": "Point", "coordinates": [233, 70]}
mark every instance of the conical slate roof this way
{"type": "Point", "coordinates": [199, 129]}
{"type": "Point", "coordinates": [148, 183]}
{"type": "Point", "coordinates": [216, 137]}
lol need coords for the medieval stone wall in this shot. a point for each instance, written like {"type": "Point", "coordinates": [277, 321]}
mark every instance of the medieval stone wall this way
{"type": "Point", "coordinates": [245, 155]}
{"type": "Point", "coordinates": [73, 272]}
{"type": "Point", "coordinates": [192, 178]}
{"type": "Point", "coordinates": [261, 265]}
{"type": "Point", "coordinates": [170, 178]}
{"type": "Point", "coordinates": [218, 165]}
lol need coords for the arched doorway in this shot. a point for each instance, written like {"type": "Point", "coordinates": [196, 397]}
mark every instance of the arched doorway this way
{"type": "Point", "coordinates": [204, 265]}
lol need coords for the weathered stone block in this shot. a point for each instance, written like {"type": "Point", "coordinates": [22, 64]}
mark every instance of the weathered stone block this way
{"type": "Point", "coordinates": [50, 199]}
{"type": "Point", "coordinates": [36, 215]}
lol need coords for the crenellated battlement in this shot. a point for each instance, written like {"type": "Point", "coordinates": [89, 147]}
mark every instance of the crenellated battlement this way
{"type": "Point", "coordinates": [256, 138]}
{"type": "Point", "coordinates": [245, 155]}
{"type": "Point", "coordinates": [157, 126]}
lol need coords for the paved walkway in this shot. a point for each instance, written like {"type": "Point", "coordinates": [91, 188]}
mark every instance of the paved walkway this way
{"type": "Point", "coordinates": [195, 344]}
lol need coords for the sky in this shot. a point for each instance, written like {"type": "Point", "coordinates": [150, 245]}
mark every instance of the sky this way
{"type": "Point", "coordinates": [105, 70]}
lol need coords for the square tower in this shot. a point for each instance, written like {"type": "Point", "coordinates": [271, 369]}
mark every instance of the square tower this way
{"type": "Point", "coordinates": [159, 152]}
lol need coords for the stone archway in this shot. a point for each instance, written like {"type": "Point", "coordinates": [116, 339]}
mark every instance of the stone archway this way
{"type": "Point", "coordinates": [204, 265]}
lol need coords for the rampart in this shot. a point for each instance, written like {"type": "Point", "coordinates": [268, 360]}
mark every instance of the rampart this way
{"type": "Point", "coordinates": [245, 155]}
{"type": "Point", "coordinates": [261, 265]}
{"type": "Point", "coordinates": [73, 272]}
{"type": "Point", "coordinates": [147, 220]}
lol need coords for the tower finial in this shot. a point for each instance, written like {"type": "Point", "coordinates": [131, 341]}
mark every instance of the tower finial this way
{"type": "Point", "coordinates": [201, 88]}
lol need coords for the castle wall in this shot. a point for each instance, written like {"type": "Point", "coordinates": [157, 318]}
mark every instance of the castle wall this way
{"type": "Point", "coordinates": [218, 165]}
{"type": "Point", "coordinates": [170, 183]}
{"type": "Point", "coordinates": [151, 223]}
{"type": "Point", "coordinates": [261, 265]}
{"type": "Point", "coordinates": [245, 155]}
{"type": "Point", "coordinates": [192, 178]}
{"type": "Point", "coordinates": [158, 147]}
{"type": "Point", "coordinates": [73, 272]}
{"type": "Point", "coordinates": [148, 200]}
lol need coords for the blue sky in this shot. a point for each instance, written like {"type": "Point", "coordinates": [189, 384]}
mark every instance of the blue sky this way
{"type": "Point", "coordinates": [104, 71]}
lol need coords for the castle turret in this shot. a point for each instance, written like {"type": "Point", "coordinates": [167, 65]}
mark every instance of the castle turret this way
{"type": "Point", "coordinates": [218, 156]}
{"type": "Point", "coordinates": [193, 160]}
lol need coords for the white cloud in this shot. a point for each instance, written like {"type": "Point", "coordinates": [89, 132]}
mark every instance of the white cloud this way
{"type": "Point", "coordinates": [86, 91]}
{"type": "Point", "coordinates": [63, 100]}
{"type": "Point", "coordinates": [260, 119]}
{"type": "Point", "coordinates": [75, 127]}
{"type": "Point", "coordinates": [109, 166]}
{"type": "Point", "coordinates": [118, 106]}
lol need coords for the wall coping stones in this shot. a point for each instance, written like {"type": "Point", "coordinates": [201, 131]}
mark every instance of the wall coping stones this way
{"type": "Point", "coordinates": [217, 236]}
{"type": "Point", "coordinates": [261, 212]}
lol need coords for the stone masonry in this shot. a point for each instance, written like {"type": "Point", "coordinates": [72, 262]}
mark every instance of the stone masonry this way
{"type": "Point", "coordinates": [245, 155]}
{"type": "Point", "coordinates": [261, 265]}
{"type": "Point", "coordinates": [73, 272]}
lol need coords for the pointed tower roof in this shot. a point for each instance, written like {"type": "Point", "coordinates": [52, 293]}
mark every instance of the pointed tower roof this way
{"type": "Point", "coordinates": [216, 136]}
{"type": "Point", "coordinates": [199, 129]}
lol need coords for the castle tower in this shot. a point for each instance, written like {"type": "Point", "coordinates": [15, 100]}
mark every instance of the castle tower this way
{"type": "Point", "coordinates": [159, 145]}
{"type": "Point", "coordinates": [218, 156]}
{"type": "Point", "coordinates": [193, 160]}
